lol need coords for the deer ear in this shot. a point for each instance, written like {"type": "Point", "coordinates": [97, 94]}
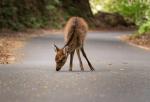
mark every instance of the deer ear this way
{"type": "Point", "coordinates": [56, 48]}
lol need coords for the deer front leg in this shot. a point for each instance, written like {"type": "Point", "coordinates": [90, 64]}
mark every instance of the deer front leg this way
{"type": "Point", "coordinates": [80, 61]}
{"type": "Point", "coordinates": [84, 54]}
{"type": "Point", "coordinates": [71, 60]}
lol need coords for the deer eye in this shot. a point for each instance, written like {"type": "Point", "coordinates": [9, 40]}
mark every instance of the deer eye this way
{"type": "Point", "coordinates": [61, 60]}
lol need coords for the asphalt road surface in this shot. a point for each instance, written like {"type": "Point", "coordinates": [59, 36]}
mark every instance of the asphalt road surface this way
{"type": "Point", "coordinates": [122, 73]}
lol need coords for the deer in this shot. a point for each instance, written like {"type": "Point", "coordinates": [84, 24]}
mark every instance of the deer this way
{"type": "Point", "coordinates": [75, 32]}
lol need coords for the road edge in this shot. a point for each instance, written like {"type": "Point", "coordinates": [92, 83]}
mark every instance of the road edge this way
{"type": "Point", "coordinates": [124, 38]}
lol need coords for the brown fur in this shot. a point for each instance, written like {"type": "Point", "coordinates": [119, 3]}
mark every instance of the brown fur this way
{"type": "Point", "coordinates": [80, 32]}
{"type": "Point", "coordinates": [75, 33]}
{"type": "Point", "coordinates": [60, 58]}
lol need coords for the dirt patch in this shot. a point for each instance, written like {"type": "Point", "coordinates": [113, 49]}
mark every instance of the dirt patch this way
{"type": "Point", "coordinates": [8, 47]}
{"type": "Point", "coordinates": [11, 41]}
{"type": "Point", "coordinates": [142, 41]}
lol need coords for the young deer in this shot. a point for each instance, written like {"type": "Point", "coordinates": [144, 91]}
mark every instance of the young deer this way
{"type": "Point", "coordinates": [75, 33]}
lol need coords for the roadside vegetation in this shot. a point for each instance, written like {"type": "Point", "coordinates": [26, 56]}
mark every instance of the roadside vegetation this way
{"type": "Point", "coordinates": [137, 11]}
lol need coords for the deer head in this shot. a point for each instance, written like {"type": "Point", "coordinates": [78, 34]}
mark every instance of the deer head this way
{"type": "Point", "coordinates": [60, 58]}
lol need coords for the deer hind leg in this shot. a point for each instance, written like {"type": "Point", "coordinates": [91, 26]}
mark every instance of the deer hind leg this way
{"type": "Point", "coordinates": [80, 61]}
{"type": "Point", "coordinates": [84, 54]}
{"type": "Point", "coordinates": [71, 60]}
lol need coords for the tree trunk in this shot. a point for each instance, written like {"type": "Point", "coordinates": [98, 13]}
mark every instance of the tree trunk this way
{"type": "Point", "coordinates": [78, 8]}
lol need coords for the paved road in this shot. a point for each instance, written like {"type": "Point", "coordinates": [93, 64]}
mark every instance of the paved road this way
{"type": "Point", "coordinates": [122, 73]}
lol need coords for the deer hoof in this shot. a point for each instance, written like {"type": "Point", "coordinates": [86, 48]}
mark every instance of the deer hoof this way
{"type": "Point", "coordinates": [70, 69]}
{"type": "Point", "coordinates": [82, 70]}
{"type": "Point", "coordinates": [92, 69]}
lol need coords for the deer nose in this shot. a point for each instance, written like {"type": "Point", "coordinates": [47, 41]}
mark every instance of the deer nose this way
{"type": "Point", "coordinates": [57, 69]}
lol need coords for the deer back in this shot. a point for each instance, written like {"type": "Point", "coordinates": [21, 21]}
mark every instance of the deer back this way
{"type": "Point", "coordinates": [75, 30]}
